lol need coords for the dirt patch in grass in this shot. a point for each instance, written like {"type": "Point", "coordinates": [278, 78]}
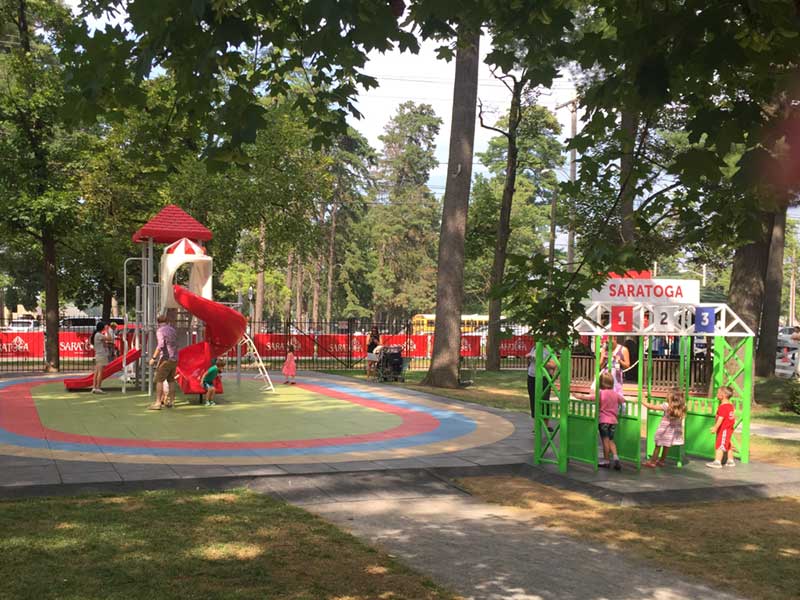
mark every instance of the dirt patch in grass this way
{"type": "Point", "coordinates": [179, 545]}
{"type": "Point", "coordinates": [751, 547]}
{"type": "Point", "coordinates": [779, 452]}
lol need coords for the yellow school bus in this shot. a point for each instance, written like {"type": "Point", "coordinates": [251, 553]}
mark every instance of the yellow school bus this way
{"type": "Point", "coordinates": [425, 323]}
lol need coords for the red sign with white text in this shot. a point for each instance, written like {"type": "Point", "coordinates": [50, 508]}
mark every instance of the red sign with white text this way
{"type": "Point", "coordinates": [517, 345]}
{"type": "Point", "coordinates": [471, 345]}
{"type": "Point", "coordinates": [275, 345]}
{"type": "Point", "coordinates": [73, 344]}
{"type": "Point", "coordinates": [21, 345]}
{"type": "Point", "coordinates": [334, 345]}
{"type": "Point", "coordinates": [414, 346]}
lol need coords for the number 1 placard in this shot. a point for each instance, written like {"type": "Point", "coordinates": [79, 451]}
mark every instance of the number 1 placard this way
{"type": "Point", "coordinates": [622, 318]}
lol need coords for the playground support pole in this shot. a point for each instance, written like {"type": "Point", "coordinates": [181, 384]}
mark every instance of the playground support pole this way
{"type": "Point", "coordinates": [239, 348]}
{"type": "Point", "coordinates": [719, 364]}
{"type": "Point", "coordinates": [151, 313]}
{"type": "Point", "coordinates": [125, 320]}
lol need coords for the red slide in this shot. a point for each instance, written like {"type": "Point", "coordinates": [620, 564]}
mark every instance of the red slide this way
{"type": "Point", "coordinates": [81, 383]}
{"type": "Point", "coordinates": [224, 329]}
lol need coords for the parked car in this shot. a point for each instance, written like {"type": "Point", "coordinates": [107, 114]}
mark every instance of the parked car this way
{"type": "Point", "coordinates": [85, 324]}
{"type": "Point", "coordinates": [23, 325]}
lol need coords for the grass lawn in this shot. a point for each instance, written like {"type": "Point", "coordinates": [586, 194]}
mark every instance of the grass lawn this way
{"type": "Point", "coordinates": [171, 545]}
{"type": "Point", "coordinates": [750, 547]}
{"type": "Point", "coordinates": [770, 392]}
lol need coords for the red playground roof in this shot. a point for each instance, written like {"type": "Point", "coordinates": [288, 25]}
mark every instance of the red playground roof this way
{"type": "Point", "coordinates": [172, 224]}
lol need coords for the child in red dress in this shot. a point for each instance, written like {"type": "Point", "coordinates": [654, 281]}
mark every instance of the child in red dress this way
{"type": "Point", "coordinates": [289, 367]}
{"type": "Point", "coordinates": [723, 428]}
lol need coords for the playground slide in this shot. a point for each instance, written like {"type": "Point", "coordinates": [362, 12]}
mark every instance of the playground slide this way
{"type": "Point", "coordinates": [81, 383]}
{"type": "Point", "coordinates": [224, 329]}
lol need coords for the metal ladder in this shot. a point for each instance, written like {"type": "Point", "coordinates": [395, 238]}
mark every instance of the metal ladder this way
{"type": "Point", "coordinates": [262, 370]}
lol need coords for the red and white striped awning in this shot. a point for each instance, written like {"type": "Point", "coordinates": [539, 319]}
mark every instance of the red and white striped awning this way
{"type": "Point", "coordinates": [185, 246]}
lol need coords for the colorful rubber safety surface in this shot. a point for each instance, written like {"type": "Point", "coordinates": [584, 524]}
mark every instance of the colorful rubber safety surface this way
{"type": "Point", "coordinates": [313, 421]}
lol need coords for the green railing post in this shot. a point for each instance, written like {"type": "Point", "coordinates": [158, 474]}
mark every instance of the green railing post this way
{"type": "Point", "coordinates": [565, 376]}
{"type": "Point", "coordinates": [719, 363]}
{"type": "Point", "coordinates": [747, 393]}
{"type": "Point", "coordinates": [537, 403]}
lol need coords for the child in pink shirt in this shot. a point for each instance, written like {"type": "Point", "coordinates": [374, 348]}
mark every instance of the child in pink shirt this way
{"type": "Point", "coordinates": [610, 401]}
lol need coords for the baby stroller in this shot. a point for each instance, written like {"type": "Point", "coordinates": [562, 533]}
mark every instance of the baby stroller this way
{"type": "Point", "coordinates": [389, 366]}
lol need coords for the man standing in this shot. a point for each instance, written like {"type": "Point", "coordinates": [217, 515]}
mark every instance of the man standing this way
{"type": "Point", "coordinates": [550, 365]}
{"type": "Point", "coordinates": [795, 337]}
{"type": "Point", "coordinates": [167, 353]}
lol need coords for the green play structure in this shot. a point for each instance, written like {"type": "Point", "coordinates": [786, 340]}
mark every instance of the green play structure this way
{"type": "Point", "coordinates": [566, 428]}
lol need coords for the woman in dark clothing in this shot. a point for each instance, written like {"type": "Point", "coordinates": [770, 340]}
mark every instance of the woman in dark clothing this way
{"type": "Point", "coordinates": [373, 343]}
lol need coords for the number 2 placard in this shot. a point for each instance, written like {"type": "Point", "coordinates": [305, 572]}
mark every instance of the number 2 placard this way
{"type": "Point", "coordinates": [665, 320]}
{"type": "Point", "coordinates": [622, 318]}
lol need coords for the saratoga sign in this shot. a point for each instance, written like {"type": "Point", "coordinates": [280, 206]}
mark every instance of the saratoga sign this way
{"type": "Point", "coordinates": [649, 291]}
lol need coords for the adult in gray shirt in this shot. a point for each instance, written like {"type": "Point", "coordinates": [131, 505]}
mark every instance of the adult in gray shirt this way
{"type": "Point", "coordinates": [167, 356]}
{"type": "Point", "coordinates": [101, 339]}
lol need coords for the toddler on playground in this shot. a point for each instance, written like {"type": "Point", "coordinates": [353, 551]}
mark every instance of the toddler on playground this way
{"type": "Point", "coordinates": [723, 428]}
{"type": "Point", "coordinates": [289, 366]}
{"type": "Point", "coordinates": [213, 372]}
{"type": "Point", "coordinates": [610, 402]}
{"type": "Point", "coordinates": [670, 430]}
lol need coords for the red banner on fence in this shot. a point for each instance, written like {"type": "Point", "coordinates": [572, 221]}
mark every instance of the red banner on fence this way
{"type": "Point", "coordinates": [22, 345]}
{"type": "Point", "coordinates": [360, 345]}
{"type": "Point", "coordinates": [414, 346]}
{"type": "Point", "coordinates": [470, 345]}
{"type": "Point", "coordinates": [72, 344]}
{"type": "Point", "coordinates": [335, 345]}
{"type": "Point", "coordinates": [274, 345]}
{"type": "Point", "coordinates": [517, 345]}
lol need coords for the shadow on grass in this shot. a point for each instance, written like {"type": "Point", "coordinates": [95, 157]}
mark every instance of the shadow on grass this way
{"type": "Point", "coordinates": [171, 545]}
{"type": "Point", "coordinates": [756, 540]}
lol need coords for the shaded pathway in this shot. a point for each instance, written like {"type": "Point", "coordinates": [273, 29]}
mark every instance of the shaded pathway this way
{"type": "Point", "coordinates": [483, 551]}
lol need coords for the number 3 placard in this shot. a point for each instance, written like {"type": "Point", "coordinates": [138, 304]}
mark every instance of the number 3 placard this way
{"type": "Point", "coordinates": [622, 318]}
{"type": "Point", "coordinates": [704, 319]}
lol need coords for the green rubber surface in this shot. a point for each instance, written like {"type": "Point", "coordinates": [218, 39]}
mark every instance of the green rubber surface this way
{"type": "Point", "coordinates": [243, 414]}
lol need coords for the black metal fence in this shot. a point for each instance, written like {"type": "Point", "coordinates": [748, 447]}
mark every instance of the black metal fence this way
{"type": "Point", "coordinates": [318, 345]}
{"type": "Point", "coordinates": [342, 344]}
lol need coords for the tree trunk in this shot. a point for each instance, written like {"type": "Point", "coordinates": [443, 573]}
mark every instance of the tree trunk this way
{"type": "Point", "coordinates": [287, 308]}
{"type": "Point", "coordinates": [331, 265]}
{"type": "Point", "coordinates": [298, 282]}
{"type": "Point", "coordinates": [443, 371]}
{"type": "Point", "coordinates": [51, 300]}
{"type": "Point", "coordinates": [105, 313]}
{"type": "Point", "coordinates": [258, 312]}
{"type": "Point", "coordinates": [771, 312]}
{"type": "Point", "coordinates": [630, 127]}
{"type": "Point", "coordinates": [746, 293]}
{"type": "Point", "coordinates": [503, 232]}
{"type": "Point", "coordinates": [315, 289]}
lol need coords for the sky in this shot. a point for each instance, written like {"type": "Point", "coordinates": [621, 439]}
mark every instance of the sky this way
{"type": "Point", "coordinates": [424, 78]}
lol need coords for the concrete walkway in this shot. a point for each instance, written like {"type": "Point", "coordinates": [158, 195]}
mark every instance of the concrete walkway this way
{"type": "Point", "coordinates": [483, 551]}
{"type": "Point", "coordinates": [776, 431]}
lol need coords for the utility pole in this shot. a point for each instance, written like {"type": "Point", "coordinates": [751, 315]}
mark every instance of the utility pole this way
{"type": "Point", "coordinates": [792, 290]}
{"type": "Point", "coordinates": [573, 175]}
